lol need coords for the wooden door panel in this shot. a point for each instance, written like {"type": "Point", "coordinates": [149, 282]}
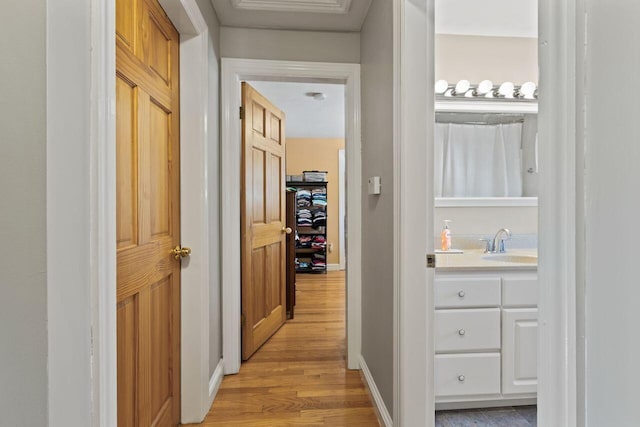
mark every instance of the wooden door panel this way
{"type": "Point", "coordinates": [126, 22]}
{"type": "Point", "coordinates": [159, 49]}
{"type": "Point", "coordinates": [273, 291]}
{"type": "Point", "coordinates": [257, 118]}
{"type": "Point", "coordinates": [159, 141]}
{"type": "Point", "coordinates": [148, 215]}
{"type": "Point", "coordinates": [258, 267]}
{"type": "Point", "coordinates": [161, 335]}
{"type": "Point", "coordinates": [258, 186]}
{"type": "Point", "coordinates": [127, 333]}
{"type": "Point", "coordinates": [263, 213]}
{"type": "Point", "coordinates": [276, 213]}
{"type": "Point", "coordinates": [127, 164]}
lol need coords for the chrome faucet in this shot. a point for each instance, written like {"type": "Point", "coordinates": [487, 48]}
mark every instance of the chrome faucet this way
{"type": "Point", "coordinates": [496, 246]}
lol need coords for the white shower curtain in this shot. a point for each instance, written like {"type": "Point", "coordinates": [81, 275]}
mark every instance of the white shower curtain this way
{"type": "Point", "coordinates": [478, 160]}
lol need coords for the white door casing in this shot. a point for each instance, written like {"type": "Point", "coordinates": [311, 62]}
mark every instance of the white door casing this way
{"type": "Point", "coordinates": [233, 72]}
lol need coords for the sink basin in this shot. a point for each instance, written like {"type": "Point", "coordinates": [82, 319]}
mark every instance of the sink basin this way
{"type": "Point", "coordinates": [521, 259]}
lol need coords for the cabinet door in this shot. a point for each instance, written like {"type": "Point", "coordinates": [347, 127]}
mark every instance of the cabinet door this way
{"type": "Point", "coordinates": [519, 351]}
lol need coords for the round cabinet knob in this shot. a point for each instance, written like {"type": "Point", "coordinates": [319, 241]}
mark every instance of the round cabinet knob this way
{"type": "Point", "coordinates": [461, 332]}
{"type": "Point", "coordinates": [461, 294]}
{"type": "Point", "coordinates": [287, 230]}
{"type": "Point", "coordinates": [461, 378]}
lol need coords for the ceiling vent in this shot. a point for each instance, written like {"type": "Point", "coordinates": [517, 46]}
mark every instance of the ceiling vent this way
{"type": "Point", "coordinates": [304, 6]}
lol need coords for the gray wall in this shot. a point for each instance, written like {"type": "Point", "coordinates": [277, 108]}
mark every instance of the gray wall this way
{"type": "Point", "coordinates": [290, 45]}
{"type": "Point", "coordinates": [23, 293]}
{"type": "Point", "coordinates": [612, 152]}
{"type": "Point", "coordinates": [213, 123]}
{"type": "Point", "coordinates": [377, 211]}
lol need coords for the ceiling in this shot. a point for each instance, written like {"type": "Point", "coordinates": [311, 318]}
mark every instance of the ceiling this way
{"type": "Point", "coordinates": [502, 18]}
{"type": "Point", "coordinates": [306, 117]}
{"type": "Point", "coordinates": [317, 15]}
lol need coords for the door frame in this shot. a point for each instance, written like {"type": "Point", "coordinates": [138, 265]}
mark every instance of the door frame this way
{"type": "Point", "coordinates": [560, 216]}
{"type": "Point", "coordinates": [413, 92]}
{"type": "Point", "coordinates": [83, 366]}
{"type": "Point", "coordinates": [233, 72]}
{"type": "Point", "coordinates": [342, 187]}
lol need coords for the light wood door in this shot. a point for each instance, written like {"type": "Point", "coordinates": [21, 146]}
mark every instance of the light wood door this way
{"type": "Point", "coordinates": [148, 215]}
{"type": "Point", "coordinates": [263, 220]}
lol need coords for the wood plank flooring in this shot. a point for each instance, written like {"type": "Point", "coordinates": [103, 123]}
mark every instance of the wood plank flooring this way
{"type": "Point", "coordinates": [299, 377]}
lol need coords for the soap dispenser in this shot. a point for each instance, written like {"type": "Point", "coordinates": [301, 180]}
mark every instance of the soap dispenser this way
{"type": "Point", "coordinates": [445, 236]}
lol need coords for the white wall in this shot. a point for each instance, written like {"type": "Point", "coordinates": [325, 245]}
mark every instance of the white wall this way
{"type": "Point", "coordinates": [377, 211]}
{"type": "Point", "coordinates": [476, 58]}
{"type": "Point", "coordinates": [611, 174]}
{"type": "Point", "coordinates": [290, 45]}
{"type": "Point", "coordinates": [23, 285]}
{"type": "Point", "coordinates": [487, 220]}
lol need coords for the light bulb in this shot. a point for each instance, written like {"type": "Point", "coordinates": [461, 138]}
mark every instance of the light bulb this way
{"type": "Point", "coordinates": [527, 90]}
{"type": "Point", "coordinates": [485, 86]}
{"type": "Point", "coordinates": [441, 87]}
{"type": "Point", "coordinates": [462, 86]}
{"type": "Point", "coordinates": [506, 89]}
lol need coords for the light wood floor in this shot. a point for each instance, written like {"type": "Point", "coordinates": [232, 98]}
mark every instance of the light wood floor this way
{"type": "Point", "coordinates": [299, 377]}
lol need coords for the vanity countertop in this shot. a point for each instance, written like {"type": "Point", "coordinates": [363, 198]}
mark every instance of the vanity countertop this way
{"type": "Point", "coordinates": [474, 259]}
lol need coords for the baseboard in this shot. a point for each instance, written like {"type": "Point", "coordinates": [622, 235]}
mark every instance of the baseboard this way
{"type": "Point", "coordinates": [333, 267]}
{"type": "Point", "coordinates": [215, 381]}
{"type": "Point", "coordinates": [381, 409]}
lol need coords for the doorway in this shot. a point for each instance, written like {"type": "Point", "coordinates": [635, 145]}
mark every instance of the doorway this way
{"type": "Point", "coordinates": [233, 72]}
{"type": "Point", "coordinates": [311, 118]}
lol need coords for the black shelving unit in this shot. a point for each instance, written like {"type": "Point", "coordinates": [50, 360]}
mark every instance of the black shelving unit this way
{"type": "Point", "coordinates": [311, 220]}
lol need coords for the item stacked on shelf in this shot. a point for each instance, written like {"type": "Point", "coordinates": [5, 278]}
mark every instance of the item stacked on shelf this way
{"type": "Point", "coordinates": [311, 221]}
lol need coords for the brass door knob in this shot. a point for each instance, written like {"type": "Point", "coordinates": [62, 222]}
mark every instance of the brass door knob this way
{"type": "Point", "coordinates": [287, 230]}
{"type": "Point", "coordinates": [181, 252]}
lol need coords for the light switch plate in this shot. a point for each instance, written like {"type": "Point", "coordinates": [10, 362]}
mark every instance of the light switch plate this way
{"type": "Point", "coordinates": [375, 187]}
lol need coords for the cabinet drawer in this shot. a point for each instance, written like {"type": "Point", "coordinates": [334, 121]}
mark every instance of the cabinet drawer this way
{"type": "Point", "coordinates": [520, 291]}
{"type": "Point", "coordinates": [469, 329]}
{"type": "Point", "coordinates": [467, 374]}
{"type": "Point", "coordinates": [467, 292]}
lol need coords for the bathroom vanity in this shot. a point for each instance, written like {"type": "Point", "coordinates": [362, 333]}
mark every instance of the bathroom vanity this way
{"type": "Point", "coordinates": [486, 329]}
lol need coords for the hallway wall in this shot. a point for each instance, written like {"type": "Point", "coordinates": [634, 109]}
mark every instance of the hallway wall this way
{"type": "Point", "coordinates": [314, 46]}
{"type": "Point", "coordinates": [377, 211]}
{"type": "Point", "coordinates": [23, 284]}
{"type": "Point", "coordinates": [608, 136]}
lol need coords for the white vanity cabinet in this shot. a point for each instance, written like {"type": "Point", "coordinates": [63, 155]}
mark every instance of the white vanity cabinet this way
{"type": "Point", "coordinates": [486, 337]}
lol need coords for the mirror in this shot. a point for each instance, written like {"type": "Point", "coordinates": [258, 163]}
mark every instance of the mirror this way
{"type": "Point", "coordinates": [485, 158]}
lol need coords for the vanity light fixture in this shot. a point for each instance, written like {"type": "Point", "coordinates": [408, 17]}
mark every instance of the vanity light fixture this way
{"type": "Point", "coordinates": [486, 89]}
